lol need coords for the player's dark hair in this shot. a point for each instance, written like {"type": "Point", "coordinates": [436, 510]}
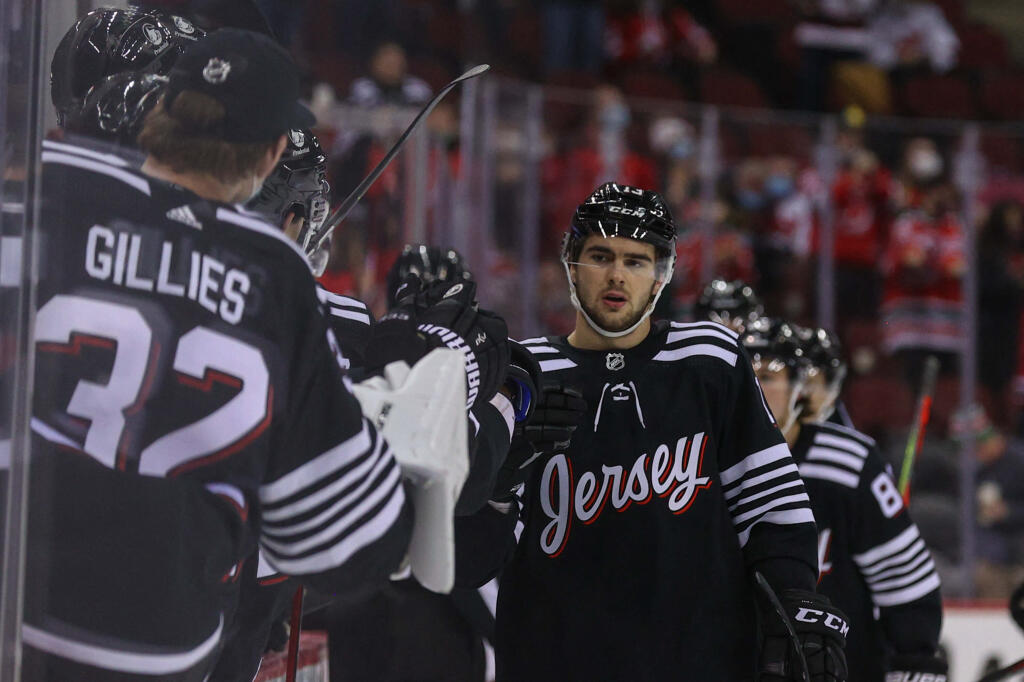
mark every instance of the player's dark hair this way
{"type": "Point", "coordinates": [187, 138]}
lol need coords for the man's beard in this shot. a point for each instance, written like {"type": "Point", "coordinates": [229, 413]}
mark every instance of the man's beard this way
{"type": "Point", "coordinates": [603, 323]}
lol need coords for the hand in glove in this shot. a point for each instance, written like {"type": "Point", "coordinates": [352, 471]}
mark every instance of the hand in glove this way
{"type": "Point", "coordinates": [820, 630]}
{"type": "Point", "coordinates": [559, 410]}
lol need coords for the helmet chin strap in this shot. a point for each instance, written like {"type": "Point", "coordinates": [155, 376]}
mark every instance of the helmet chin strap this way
{"type": "Point", "coordinates": [594, 325]}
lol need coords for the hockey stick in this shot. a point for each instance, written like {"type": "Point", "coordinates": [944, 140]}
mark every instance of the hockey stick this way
{"type": "Point", "coordinates": [311, 242]}
{"type": "Point", "coordinates": [295, 626]}
{"type": "Point", "coordinates": [780, 611]}
{"type": "Point", "coordinates": [1003, 673]}
{"type": "Point", "coordinates": [921, 415]}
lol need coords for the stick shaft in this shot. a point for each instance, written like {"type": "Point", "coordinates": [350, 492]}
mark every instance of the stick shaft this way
{"type": "Point", "coordinates": [295, 625]}
{"type": "Point", "coordinates": [922, 414]}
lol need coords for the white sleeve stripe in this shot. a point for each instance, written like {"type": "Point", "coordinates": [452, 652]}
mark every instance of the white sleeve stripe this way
{"type": "Point", "coordinates": [763, 509]}
{"type": "Point", "coordinates": [887, 549]}
{"type": "Point", "coordinates": [878, 580]}
{"type": "Point", "coordinates": [339, 552]}
{"type": "Point", "coordinates": [124, 176]}
{"type": "Point", "coordinates": [748, 483]}
{"type": "Point", "coordinates": [909, 594]}
{"type": "Point", "coordinates": [541, 349]}
{"type": "Point", "coordinates": [754, 461]}
{"type": "Point", "coordinates": [695, 333]}
{"type": "Point", "coordinates": [847, 444]}
{"type": "Point", "coordinates": [259, 225]}
{"type": "Point", "coordinates": [829, 473]}
{"type": "Point", "coordinates": [764, 403]}
{"type": "Point", "coordinates": [698, 349]}
{"type": "Point", "coordinates": [284, 528]}
{"type": "Point", "coordinates": [338, 299]}
{"type": "Point", "coordinates": [351, 315]}
{"type": "Point", "coordinates": [895, 560]}
{"type": "Point", "coordinates": [764, 493]}
{"type": "Point", "coordinates": [536, 339]}
{"type": "Point", "coordinates": [555, 365]}
{"type": "Point", "coordinates": [504, 406]}
{"type": "Point", "coordinates": [916, 576]}
{"type": "Point", "coordinates": [836, 457]}
{"type": "Point", "coordinates": [705, 324]}
{"type": "Point", "coordinates": [317, 468]}
{"type": "Point", "coordinates": [350, 520]}
{"type": "Point", "coordinates": [348, 480]}
{"type": "Point", "coordinates": [786, 517]}
{"type": "Point", "coordinates": [82, 151]}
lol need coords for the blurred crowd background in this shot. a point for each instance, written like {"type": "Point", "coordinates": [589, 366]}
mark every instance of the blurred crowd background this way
{"type": "Point", "coordinates": [859, 162]}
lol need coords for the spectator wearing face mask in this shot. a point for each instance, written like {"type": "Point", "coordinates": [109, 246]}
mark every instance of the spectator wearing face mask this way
{"type": "Point", "coordinates": [924, 263]}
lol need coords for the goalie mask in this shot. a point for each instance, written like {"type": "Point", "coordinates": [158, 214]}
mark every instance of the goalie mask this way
{"type": "Point", "coordinates": [775, 352]}
{"type": "Point", "coordinates": [430, 263]}
{"type": "Point", "coordinates": [733, 304]}
{"type": "Point", "coordinates": [298, 184]}
{"type": "Point", "coordinates": [101, 45]}
{"type": "Point", "coordinates": [615, 210]}
{"type": "Point", "coordinates": [826, 372]}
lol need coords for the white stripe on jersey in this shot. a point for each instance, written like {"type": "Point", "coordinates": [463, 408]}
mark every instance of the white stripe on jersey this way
{"type": "Point", "coordinates": [695, 333]}
{"type": "Point", "coordinates": [766, 493]}
{"type": "Point", "coordinates": [229, 491]}
{"type": "Point", "coordinates": [786, 517]}
{"type": "Point", "coordinates": [259, 225]}
{"type": "Point", "coordinates": [751, 462]}
{"type": "Point", "coordinates": [336, 554]}
{"type": "Point", "coordinates": [541, 349]}
{"type": "Point", "coordinates": [788, 468]}
{"type": "Point", "coordinates": [829, 473]}
{"type": "Point", "coordinates": [106, 658]}
{"type": "Point", "coordinates": [834, 456]}
{"type": "Point", "coordinates": [124, 176]}
{"type": "Point", "coordinates": [350, 315]}
{"type": "Point", "coordinates": [699, 349]}
{"type": "Point", "coordinates": [536, 339]}
{"type": "Point", "coordinates": [555, 365]}
{"type": "Point", "coordinates": [706, 324]}
{"type": "Point", "coordinates": [316, 469]}
{"type": "Point", "coordinates": [772, 504]}
{"type": "Point", "coordinates": [899, 570]}
{"type": "Point", "coordinates": [842, 443]}
{"type": "Point", "coordinates": [111, 159]}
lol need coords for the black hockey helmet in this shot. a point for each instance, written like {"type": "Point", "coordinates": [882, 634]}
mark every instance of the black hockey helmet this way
{"type": "Point", "coordinates": [776, 341]}
{"type": "Point", "coordinates": [615, 210]}
{"type": "Point", "coordinates": [109, 41]}
{"type": "Point", "coordinates": [430, 263]}
{"type": "Point", "coordinates": [734, 304]}
{"type": "Point", "coordinates": [117, 107]}
{"type": "Point", "coordinates": [298, 184]}
{"type": "Point", "coordinates": [824, 352]}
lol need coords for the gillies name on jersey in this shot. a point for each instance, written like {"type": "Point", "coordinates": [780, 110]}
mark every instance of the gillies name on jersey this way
{"type": "Point", "coordinates": [124, 259]}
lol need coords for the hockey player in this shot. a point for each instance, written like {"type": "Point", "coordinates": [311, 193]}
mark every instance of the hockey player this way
{"type": "Point", "coordinates": [873, 563]}
{"type": "Point", "coordinates": [642, 535]}
{"type": "Point", "coordinates": [825, 374]}
{"type": "Point", "coordinates": [190, 400]}
{"type": "Point", "coordinates": [734, 304]}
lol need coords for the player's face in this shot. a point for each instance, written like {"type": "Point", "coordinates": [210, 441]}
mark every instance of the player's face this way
{"type": "Point", "coordinates": [773, 375]}
{"type": "Point", "coordinates": [615, 279]}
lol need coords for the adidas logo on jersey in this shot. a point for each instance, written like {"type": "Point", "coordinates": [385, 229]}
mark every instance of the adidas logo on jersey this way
{"type": "Point", "coordinates": [184, 214]}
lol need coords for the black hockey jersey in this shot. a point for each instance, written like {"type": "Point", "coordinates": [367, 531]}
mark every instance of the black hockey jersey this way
{"type": "Point", "coordinates": [189, 400]}
{"type": "Point", "coordinates": [639, 539]}
{"type": "Point", "coordinates": [873, 562]}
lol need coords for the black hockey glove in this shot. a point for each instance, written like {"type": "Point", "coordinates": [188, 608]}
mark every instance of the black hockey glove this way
{"type": "Point", "coordinates": [820, 630]}
{"type": "Point", "coordinates": [919, 668]}
{"type": "Point", "coordinates": [559, 411]}
{"type": "Point", "coordinates": [444, 316]}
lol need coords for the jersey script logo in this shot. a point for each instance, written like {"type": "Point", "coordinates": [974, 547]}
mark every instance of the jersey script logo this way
{"type": "Point", "coordinates": [672, 474]}
{"type": "Point", "coordinates": [216, 71]}
{"type": "Point", "coordinates": [615, 361]}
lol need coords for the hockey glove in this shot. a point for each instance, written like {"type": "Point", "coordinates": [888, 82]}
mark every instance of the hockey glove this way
{"type": "Point", "coordinates": [820, 630]}
{"type": "Point", "coordinates": [916, 668]}
{"type": "Point", "coordinates": [522, 380]}
{"type": "Point", "coordinates": [444, 316]}
{"type": "Point", "coordinates": [559, 411]}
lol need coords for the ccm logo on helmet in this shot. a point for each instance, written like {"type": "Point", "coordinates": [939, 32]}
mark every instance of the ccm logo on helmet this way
{"type": "Point", "coordinates": [831, 620]}
{"type": "Point", "coordinates": [639, 212]}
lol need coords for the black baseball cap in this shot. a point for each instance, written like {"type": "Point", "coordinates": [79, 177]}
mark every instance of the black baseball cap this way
{"type": "Point", "coordinates": [251, 75]}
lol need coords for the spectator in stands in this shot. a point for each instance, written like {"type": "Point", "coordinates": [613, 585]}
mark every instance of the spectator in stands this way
{"type": "Point", "coordinates": [573, 33]}
{"type": "Point", "coordinates": [861, 196]}
{"type": "Point", "coordinates": [924, 264]}
{"type": "Point", "coordinates": [657, 35]}
{"type": "Point", "coordinates": [673, 141]}
{"type": "Point", "coordinates": [389, 81]}
{"type": "Point", "coordinates": [785, 247]}
{"type": "Point", "coordinates": [1000, 503]}
{"type": "Point", "coordinates": [1001, 293]}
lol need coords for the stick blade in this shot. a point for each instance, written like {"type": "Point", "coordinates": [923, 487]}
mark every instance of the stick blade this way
{"type": "Point", "coordinates": [473, 73]}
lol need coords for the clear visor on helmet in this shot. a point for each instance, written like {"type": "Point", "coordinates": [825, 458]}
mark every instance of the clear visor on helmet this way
{"type": "Point", "coordinates": [795, 396]}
